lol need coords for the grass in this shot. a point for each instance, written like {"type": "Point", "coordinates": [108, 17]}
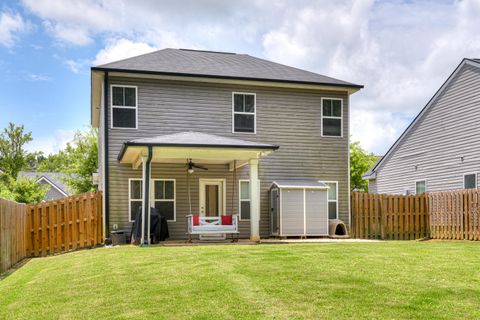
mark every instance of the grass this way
{"type": "Point", "coordinates": [390, 280]}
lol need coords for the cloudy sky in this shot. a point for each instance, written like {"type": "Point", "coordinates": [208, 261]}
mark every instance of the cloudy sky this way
{"type": "Point", "coordinates": [402, 51]}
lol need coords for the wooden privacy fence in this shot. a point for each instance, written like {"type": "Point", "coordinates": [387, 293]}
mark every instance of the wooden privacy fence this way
{"type": "Point", "coordinates": [435, 215]}
{"type": "Point", "coordinates": [49, 227]}
{"type": "Point", "coordinates": [455, 214]}
{"type": "Point", "coordinates": [393, 217]}
{"type": "Point", "coordinates": [12, 233]}
{"type": "Point", "coordinates": [65, 224]}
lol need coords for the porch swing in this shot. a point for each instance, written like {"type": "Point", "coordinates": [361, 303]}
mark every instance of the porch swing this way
{"type": "Point", "coordinates": [205, 225]}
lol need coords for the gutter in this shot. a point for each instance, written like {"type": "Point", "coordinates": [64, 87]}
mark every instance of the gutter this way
{"type": "Point", "coordinates": [146, 199]}
{"type": "Point", "coordinates": [198, 75]}
{"type": "Point", "coordinates": [106, 166]}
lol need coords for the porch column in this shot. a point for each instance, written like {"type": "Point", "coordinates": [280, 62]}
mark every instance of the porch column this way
{"type": "Point", "coordinates": [254, 201]}
{"type": "Point", "coordinates": [146, 177]}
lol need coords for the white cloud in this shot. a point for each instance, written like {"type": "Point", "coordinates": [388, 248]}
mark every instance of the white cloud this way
{"type": "Point", "coordinates": [121, 49]}
{"type": "Point", "coordinates": [77, 66]}
{"type": "Point", "coordinates": [51, 144]}
{"type": "Point", "coordinates": [11, 24]}
{"type": "Point", "coordinates": [38, 77]}
{"type": "Point", "coordinates": [402, 51]}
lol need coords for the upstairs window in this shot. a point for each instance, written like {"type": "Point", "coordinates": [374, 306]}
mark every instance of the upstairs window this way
{"type": "Point", "coordinates": [124, 107]}
{"type": "Point", "coordinates": [332, 117]}
{"type": "Point", "coordinates": [470, 181]}
{"type": "Point", "coordinates": [420, 187]}
{"type": "Point", "coordinates": [244, 109]}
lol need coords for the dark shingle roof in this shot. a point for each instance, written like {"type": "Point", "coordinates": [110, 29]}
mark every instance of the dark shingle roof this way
{"type": "Point", "coordinates": [218, 65]}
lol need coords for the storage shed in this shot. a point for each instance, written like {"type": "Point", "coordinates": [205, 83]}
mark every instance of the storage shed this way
{"type": "Point", "coordinates": [298, 208]}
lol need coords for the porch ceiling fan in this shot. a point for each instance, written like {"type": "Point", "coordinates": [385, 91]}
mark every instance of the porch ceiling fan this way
{"type": "Point", "coordinates": [191, 166]}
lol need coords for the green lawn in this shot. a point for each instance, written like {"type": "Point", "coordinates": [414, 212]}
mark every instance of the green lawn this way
{"type": "Point", "coordinates": [391, 280]}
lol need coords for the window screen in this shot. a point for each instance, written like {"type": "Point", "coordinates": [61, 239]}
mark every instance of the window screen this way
{"type": "Point", "coordinates": [332, 117]}
{"type": "Point", "coordinates": [244, 113]}
{"type": "Point", "coordinates": [124, 107]}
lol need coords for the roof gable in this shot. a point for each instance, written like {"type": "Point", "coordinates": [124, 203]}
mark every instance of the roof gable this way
{"type": "Point", "coordinates": [371, 174]}
{"type": "Point", "coordinates": [218, 64]}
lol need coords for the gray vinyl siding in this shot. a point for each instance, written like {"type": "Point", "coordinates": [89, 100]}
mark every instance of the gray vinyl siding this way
{"type": "Point", "coordinates": [52, 193]}
{"type": "Point", "coordinates": [448, 130]}
{"type": "Point", "coordinates": [286, 117]}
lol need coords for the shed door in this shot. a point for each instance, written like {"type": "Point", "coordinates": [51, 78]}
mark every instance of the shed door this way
{"type": "Point", "coordinates": [316, 212]}
{"type": "Point", "coordinates": [274, 212]}
{"type": "Point", "coordinates": [292, 212]}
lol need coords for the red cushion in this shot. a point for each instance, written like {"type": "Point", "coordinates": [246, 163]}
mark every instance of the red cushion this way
{"type": "Point", "coordinates": [196, 220]}
{"type": "Point", "coordinates": [227, 220]}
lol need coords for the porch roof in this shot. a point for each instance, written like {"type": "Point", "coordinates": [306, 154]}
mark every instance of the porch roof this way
{"type": "Point", "coordinates": [193, 145]}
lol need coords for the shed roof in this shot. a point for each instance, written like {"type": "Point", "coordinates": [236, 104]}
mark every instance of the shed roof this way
{"type": "Point", "coordinates": [189, 62]}
{"type": "Point", "coordinates": [300, 184]}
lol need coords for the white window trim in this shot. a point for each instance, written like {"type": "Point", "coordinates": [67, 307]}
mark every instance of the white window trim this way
{"type": "Point", "coordinates": [336, 192]}
{"type": "Point", "coordinates": [332, 117]}
{"type": "Point", "coordinates": [166, 200]}
{"type": "Point", "coordinates": [240, 198]}
{"type": "Point", "coordinates": [112, 106]}
{"type": "Point", "coordinates": [247, 113]}
{"type": "Point", "coordinates": [420, 180]}
{"type": "Point", "coordinates": [468, 174]}
{"type": "Point", "coordinates": [130, 196]}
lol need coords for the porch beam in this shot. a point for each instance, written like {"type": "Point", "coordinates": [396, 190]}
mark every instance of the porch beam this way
{"type": "Point", "coordinates": [236, 165]}
{"type": "Point", "coordinates": [136, 163]}
{"type": "Point", "coordinates": [254, 201]}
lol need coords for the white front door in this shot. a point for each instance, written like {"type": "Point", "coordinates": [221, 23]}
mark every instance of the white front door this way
{"type": "Point", "coordinates": [212, 197]}
{"type": "Point", "coordinates": [212, 202]}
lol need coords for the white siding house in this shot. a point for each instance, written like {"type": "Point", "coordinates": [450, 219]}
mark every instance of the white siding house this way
{"type": "Point", "coordinates": [440, 149]}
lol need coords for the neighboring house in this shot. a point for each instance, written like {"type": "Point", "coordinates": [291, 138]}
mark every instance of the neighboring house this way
{"type": "Point", "coordinates": [53, 180]}
{"type": "Point", "coordinates": [228, 112]}
{"type": "Point", "coordinates": [440, 149]}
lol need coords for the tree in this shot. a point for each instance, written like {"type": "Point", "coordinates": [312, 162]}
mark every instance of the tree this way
{"type": "Point", "coordinates": [56, 162]}
{"type": "Point", "coordinates": [13, 158]}
{"type": "Point", "coordinates": [82, 161]}
{"type": "Point", "coordinates": [27, 190]}
{"type": "Point", "coordinates": [360, 161]}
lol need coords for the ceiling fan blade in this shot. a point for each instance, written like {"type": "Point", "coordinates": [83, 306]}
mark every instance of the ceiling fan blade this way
{"type": "Point", "coordinates": [199, 166]}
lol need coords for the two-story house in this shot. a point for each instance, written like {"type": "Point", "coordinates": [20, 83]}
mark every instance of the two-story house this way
{"type": "Point", "coordinates": [440, 149]}
{"type": "Point", "coordinates": [166, 116]}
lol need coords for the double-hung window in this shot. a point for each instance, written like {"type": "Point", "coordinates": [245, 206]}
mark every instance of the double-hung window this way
{"type": "Point", "coordinates": [244, 108]}
{"type": "Point", "coordinates": [244, 199]}
{"type": "Point", "coordinates": [332, 199]}
{"type": "Point", "coordinates": [124, 107]}
{"type": "Point", "coordinates": [164, 198]}
{"type": "Point", "coordinates": [332, 117]}
{"type": "Point", "coordinates": [135, 194]}
{"type": "Point", "coordinates": [420, 186]}
{"type": "Point", "coordinates": [470, 181]}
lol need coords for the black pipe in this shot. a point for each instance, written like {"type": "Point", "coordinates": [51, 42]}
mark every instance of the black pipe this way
{"type": "Point", "coordinates": [105, 160]}
{"type": "Point", "coordinates": [146, 196]}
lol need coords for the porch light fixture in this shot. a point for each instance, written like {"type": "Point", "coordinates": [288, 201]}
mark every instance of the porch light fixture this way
{"type": "Point", "coordinates": [190, 170]}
